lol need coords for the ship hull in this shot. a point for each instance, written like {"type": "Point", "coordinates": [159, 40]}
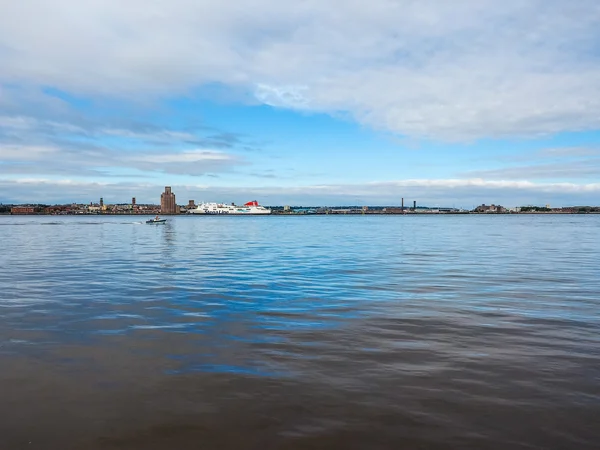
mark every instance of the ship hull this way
{"type": "Point", "coordinates": [218, 209]}
{"type": "Point", "coordinates": [230, 213]}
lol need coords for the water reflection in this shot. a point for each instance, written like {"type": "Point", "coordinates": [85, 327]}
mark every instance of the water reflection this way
{"type": "Point", "coordinates": [317, 332]}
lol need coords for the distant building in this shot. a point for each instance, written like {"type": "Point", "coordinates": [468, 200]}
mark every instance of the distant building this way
{"type": "Point", "coordinates": [24, 210]}
{"type": "Point", "coordinates": [167, 202]}
{"type": "Point", "coordinates": [392, 210]}
{"type": "Point", "coordinates": [191, 204]}
{"type": "Point", "coordinates": [490, 209]}
{"type": "Point", "coordinates": [133, 201]}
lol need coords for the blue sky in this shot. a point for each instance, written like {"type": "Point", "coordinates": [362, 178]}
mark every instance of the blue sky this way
{"type": "Point", "coordinates": [306, 103]}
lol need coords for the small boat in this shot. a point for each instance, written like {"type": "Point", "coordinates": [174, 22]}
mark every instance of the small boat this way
{"type": "Point", "coordinates": [156, 221]}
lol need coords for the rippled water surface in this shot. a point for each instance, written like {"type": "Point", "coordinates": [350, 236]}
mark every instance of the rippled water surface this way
{"type": "Point", "coordinates": [318, 332]}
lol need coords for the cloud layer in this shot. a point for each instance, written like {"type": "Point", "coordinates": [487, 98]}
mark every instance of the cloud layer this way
{"type": "Point", "coordinates": [30, 146]}
{"type": "Point", "coordinates": [444, 70]}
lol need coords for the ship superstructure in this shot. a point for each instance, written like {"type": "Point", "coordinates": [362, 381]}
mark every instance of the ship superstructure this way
{"type": "Point", "coordinates": [250, 208]}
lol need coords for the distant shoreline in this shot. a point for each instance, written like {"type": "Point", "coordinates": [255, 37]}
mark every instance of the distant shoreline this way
{"type": "Point", "coordinates": [287, 214]}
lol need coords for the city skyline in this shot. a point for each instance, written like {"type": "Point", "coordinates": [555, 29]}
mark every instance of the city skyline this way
{"type": "Point", "coordinates": [316, 103]}
{"type": "Point", "coordinates": [169, 205]}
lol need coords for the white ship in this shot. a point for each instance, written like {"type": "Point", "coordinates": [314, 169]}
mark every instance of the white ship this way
{"type": "Point", "coordinates": [222, 208]}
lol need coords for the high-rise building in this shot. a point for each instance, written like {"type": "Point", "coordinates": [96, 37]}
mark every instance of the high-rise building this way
{"type": "Point", "coordinates": [167, 202]}
{"type": "Point", "coordinates": [132, 201]}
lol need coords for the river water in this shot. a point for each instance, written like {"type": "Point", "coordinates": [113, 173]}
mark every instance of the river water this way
{"type": "Point", "coordinates": [315, 332]}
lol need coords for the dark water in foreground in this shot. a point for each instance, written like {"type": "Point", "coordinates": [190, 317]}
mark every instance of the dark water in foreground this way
{"type": "Point", "coordinates": [300, 333]}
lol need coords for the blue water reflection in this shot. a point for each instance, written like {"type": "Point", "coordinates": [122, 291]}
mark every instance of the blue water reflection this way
{"type": "Point", "coordinates": [245, 286]}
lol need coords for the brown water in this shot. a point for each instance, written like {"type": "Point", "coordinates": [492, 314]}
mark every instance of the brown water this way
{"type": "Point", "coordinates": [300, 333]}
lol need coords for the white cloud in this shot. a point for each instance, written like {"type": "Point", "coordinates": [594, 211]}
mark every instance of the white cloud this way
{"type": "Point", "coordinates": [565, 170]}
{"type": "Point", "coordinates": [283, 96]}
{"type": "Point", "coordinates": [448, 70]}
{"type": "Point", "coordinates": [17, 122]}
{"type": "Point", "coordinates": [101, 162]}
{"type": "Point", "coordinates": [14, 153]}
{"type": "Point", "coordinates": [155, 136]}
{"type": "Point", "coordinates": [186, 156]}
{"type": "Point", "coordinates": [186, 162]}
{"type": "Point", "coordinates": [568, 152]}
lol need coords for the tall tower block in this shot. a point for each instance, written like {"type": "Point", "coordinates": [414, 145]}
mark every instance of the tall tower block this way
{"type": "Point", "coordinates": [167, 202]}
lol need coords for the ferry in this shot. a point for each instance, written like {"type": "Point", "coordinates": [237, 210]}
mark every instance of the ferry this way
{"type": "Point", "coordinates": [250, 208]}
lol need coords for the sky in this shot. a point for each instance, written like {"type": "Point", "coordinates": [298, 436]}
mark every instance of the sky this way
{"type": "Point", "coordinates": [307, 102]}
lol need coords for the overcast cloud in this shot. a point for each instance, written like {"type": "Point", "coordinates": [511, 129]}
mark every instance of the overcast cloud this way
{"type": "Point", "coordinates": [89, 93]}
{"type": "Point", "coordinates": [447, 70]}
